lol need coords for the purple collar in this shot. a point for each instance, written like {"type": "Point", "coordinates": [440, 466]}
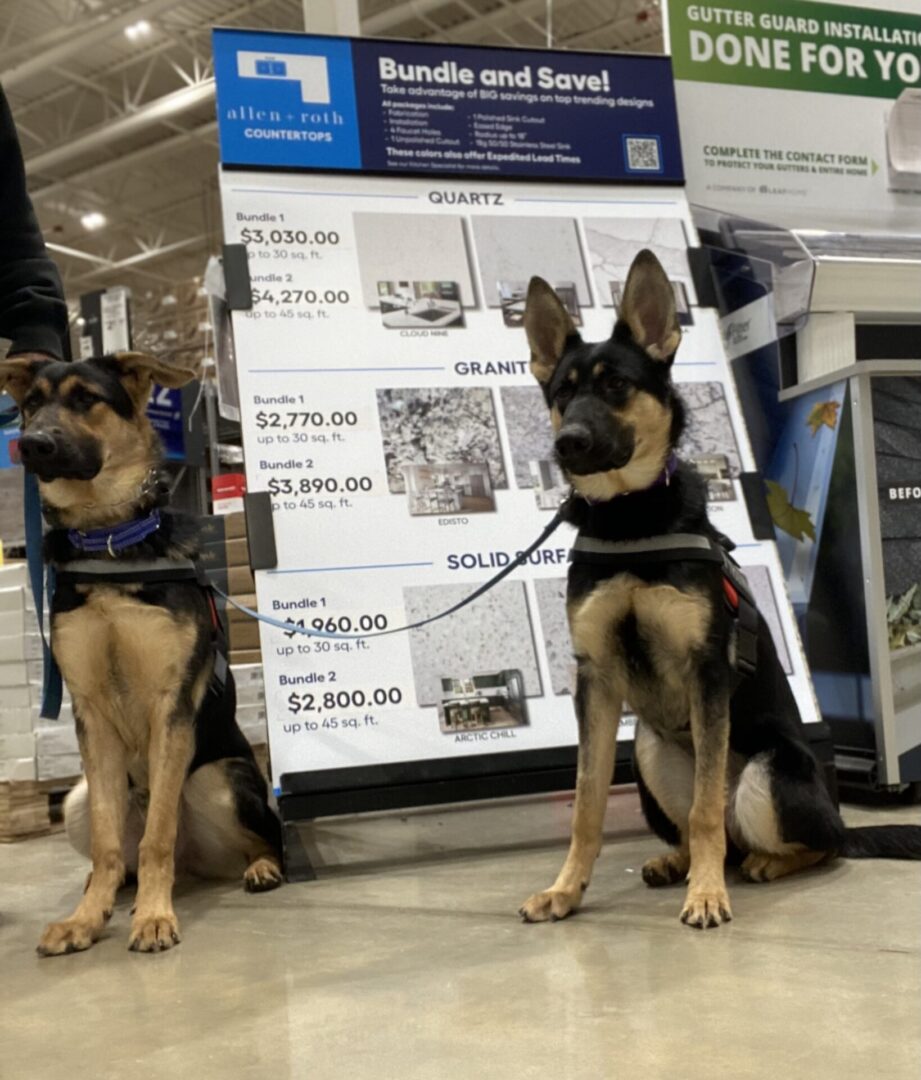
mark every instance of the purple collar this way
{"type": "Point", "coordinates": [116, 538]}
{"type": "Point", "coordinates": [664, 477]}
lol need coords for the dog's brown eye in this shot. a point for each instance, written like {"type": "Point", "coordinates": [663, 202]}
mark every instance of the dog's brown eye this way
{"type": "Point", "coordinates": [564, 394]}
{"type": "Point", "coordinates": [83, 398]}
{"type": "Point", "coordinates": [614, 384]}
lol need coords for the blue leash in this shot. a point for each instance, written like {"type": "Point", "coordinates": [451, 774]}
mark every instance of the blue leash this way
{"type": "Point", "coordinates": [41, 580]}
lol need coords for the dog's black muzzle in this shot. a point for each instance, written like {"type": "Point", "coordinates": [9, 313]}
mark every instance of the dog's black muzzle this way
{"type": "Point", "coordinates": [51, 455]}
{"type": "Point", "coordinates": [591, 439]}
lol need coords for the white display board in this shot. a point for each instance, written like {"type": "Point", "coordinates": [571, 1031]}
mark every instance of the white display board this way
{"type": "Point", "coordinates": [387, 405]}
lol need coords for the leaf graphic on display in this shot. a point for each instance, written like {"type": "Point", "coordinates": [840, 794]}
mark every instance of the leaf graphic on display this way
{"type": "Point", "coordinates": [903, 614]}
{"type": "Point", "coordinates": [791, 519]}
{"type": "Point", "coordinates": [825, 412]}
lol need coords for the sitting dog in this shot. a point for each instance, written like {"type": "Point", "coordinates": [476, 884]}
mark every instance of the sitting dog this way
{"type": "Point", "coordinates": [170, 779]}
{"type": "Point", "coordinates": [653, 606]}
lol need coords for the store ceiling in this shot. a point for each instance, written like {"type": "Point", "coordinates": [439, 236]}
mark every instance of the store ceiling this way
{"type": "Point", "coordinates": [114, 103]}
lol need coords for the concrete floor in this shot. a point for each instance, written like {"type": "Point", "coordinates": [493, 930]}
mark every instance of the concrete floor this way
{"type": "Point", "coordinates": [406, 961]}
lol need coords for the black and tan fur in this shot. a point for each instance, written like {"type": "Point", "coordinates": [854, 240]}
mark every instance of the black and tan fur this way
{"type": "Point", "coordinates": [170, 781]}
{"type": "Point", "coordinates": [715, 764]}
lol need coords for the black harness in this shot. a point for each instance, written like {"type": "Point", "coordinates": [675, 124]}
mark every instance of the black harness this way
{"type": "Point", "coordinates": [154, 572]}
{"type": "Point", "coordinates": [619, 556]}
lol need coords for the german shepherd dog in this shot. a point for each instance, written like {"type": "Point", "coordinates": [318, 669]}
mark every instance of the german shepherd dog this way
{"type": "Point", "coordinates": [170, 781]}
{"type": "Point", "coordinates": [712, 760]}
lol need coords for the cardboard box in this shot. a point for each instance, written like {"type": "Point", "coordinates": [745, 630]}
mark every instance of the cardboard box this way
{"type": "Point", "coordinates": [59, 767]}
{"type": "Point", "coordinates": [14, 573]}
{"type": "Point", "coordinates": [13, 622]}
{"type": "Point", "coordinates": [235, 615]}
{"type": "Point", "coordinates": [14, 721]}
{"type": "Point", "coordinates": [237, 552]}
{"type": "Point", "coordinates": [14, 674]}
{"type": "Point", "coordinates": [55, 737]}
{"type": "Point", "coordinates": [20, 647]}
{"type": "Point", "coordinates": [17, 769]}
{"type": "Point", "coordinates": [244, 657]}
{"type": "Point", "coordinates": [243, 635]}
{"type": "Point", "coordinates": [12, 598]}
{"type": "Point", "coordinates": [253, 724]}
{"type": "Point", "coordinates": [20, 745]}
{"type": "Point", "coordinates": [251, 695]}
{"type": "Point", "coordinates": [248, 675]}
{"type": "Point", "coordinates": [240, 580]}
{"type": "Point", "coordinates": [17, 696]}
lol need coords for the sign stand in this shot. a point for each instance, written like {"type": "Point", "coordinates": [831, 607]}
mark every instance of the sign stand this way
{"type": "Point", "coordinates": [388, 411]}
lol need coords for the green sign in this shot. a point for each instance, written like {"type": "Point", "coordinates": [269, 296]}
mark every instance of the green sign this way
{"type": "Point", "coordinates": [794, 45]}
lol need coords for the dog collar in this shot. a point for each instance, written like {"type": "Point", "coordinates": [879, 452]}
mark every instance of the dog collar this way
{"type": "Point", "coordinates": [116, 538]}
{"type": "Point", "coordinates": [664, 477]}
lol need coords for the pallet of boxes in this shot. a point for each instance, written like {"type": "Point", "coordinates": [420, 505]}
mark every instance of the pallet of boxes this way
{"type": "Point", "coordinates": [39, 759]}
{"type": "Point", "coordinates": [225, 557]}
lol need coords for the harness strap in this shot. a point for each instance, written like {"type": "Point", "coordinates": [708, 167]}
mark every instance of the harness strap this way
{"type": "Point", "coordinates": [674, 547]}
{"type": "Point", "coordinates": [118, 572]}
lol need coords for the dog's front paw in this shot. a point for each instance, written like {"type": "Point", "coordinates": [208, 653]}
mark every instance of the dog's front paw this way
{"type": "Point", "coordinates": [706, 907]}
{"type": "Point", "coordinates": [154, 933]}
{"type": "Point", "coordinates": [553, 904]}
{"type": "Point", "coordinates": [67, 936]}
{"type": "Point", "coordinates": [665, 869]}
{"type": "Point", "coordinates": [262, 874]}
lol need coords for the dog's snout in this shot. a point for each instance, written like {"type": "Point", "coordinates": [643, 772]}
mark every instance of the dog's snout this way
{"type": "Point", "coordinates": [573, 441]}
{"type": "Point", "coordinates": [37, 446]}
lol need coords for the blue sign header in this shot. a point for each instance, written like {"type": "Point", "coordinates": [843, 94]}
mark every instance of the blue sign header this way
{"type": "Point", "coordinates": [303, 101]}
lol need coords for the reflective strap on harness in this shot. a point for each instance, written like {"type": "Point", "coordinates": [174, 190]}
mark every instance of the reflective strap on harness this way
{"type": "Point", "coordinates": [671, 548]}
{"type": "Point", "coordinates": [126, 572]}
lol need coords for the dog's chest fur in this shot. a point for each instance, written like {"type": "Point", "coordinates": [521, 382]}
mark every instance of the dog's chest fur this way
{"type": "Point", "coordinates": [642, 638]}
{"type": "Point", "coordinates": [123, 661]}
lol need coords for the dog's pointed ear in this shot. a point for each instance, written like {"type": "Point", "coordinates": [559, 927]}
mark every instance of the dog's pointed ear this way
{"type": "Point", "coordinates": [648, 308]}
{"type": "Point", "coordinates": [548, 325]}
{"type": "Point", "coordinates": [18, 373]}
{"type": "Point", "coordinates": [139, 370]}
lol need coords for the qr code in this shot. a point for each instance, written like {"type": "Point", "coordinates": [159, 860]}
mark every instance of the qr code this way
{"type": "Point", "coordinates": [643, 154]}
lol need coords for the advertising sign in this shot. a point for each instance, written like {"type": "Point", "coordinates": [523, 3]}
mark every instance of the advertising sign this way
{"type": "Point", "coordinates": [388, 408]}
{"type": "Point", "coordinates": [378, 106]}
{"type": "Point", "coordinates": [801, 112]}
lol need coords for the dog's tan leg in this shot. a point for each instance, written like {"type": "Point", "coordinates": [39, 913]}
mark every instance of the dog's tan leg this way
{"type": "Point", "coordinates": [667, 770]}
{"type": "Point", "coordinates": [154, 926]}
{"type": "Point", "coordinates": [759, 867]}
{"type": "Point", "coordinates": [598, 709]}
{"type": "Point", "coordinates": [105, 765]}
{"type": "Point", "coordinates": [707, 902]}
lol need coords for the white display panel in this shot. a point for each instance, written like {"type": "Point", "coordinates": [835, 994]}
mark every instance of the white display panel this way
{"type": "Point", "coordinates": [407, 449]}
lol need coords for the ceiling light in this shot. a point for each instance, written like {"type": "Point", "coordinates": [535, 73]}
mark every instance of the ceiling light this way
{"type": "Point", "coordinates": [168, 300]}
{"type": "Point", "coordinates": [137, 30]}
{"type": "Point", "coordinates": [93, 220]}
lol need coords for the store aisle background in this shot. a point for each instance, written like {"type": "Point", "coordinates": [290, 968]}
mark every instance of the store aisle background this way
{"type": "Point", "coordinates": [406, 960]}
